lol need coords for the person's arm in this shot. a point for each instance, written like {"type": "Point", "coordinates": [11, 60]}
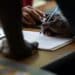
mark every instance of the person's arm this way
{"type": "Point", "coordinates": [10, 15]}
{"type": "Point", "coordinates": [60, 27]}
{"type": "Point", "coordinates": [68, 9]}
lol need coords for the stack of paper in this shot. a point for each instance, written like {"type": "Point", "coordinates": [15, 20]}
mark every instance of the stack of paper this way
{"type": "Point", "coordinates": [45, 42]}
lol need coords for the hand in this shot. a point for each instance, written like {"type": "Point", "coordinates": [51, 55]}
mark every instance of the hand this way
{"type": "Point", "coordinates": [31, 16]}
{"type": "Point", "coordinates": [57, 27]}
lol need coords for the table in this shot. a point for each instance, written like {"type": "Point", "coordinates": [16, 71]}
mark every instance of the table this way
{"type": "Point", "coordinates": [45, 57]}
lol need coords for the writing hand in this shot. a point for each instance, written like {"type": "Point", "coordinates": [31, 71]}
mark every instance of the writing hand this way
{"type": "Point", "coordinates": [57, 27]}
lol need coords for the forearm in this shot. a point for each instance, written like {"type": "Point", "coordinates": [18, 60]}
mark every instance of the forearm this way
{"type": "Point", "coordinates": [67, 7]}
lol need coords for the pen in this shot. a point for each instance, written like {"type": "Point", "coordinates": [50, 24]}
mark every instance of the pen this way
{"type": "Point", "coordinates": [46, 20]}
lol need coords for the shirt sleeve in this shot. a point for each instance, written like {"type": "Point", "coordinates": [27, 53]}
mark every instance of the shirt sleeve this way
{"type": "Point", "coordinates": [68, 9]}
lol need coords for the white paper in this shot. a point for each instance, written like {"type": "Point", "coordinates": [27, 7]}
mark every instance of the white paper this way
{"type": "Point", "coordinates": [45, 42]}
{"type": "Point", "coordinates": [1, 33]}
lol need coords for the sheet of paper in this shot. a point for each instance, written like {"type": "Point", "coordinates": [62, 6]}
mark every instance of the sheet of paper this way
{"type": "Point", "coordinates": [45, 42]}
{"type": "Point", "coordinates": [1, 33]}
